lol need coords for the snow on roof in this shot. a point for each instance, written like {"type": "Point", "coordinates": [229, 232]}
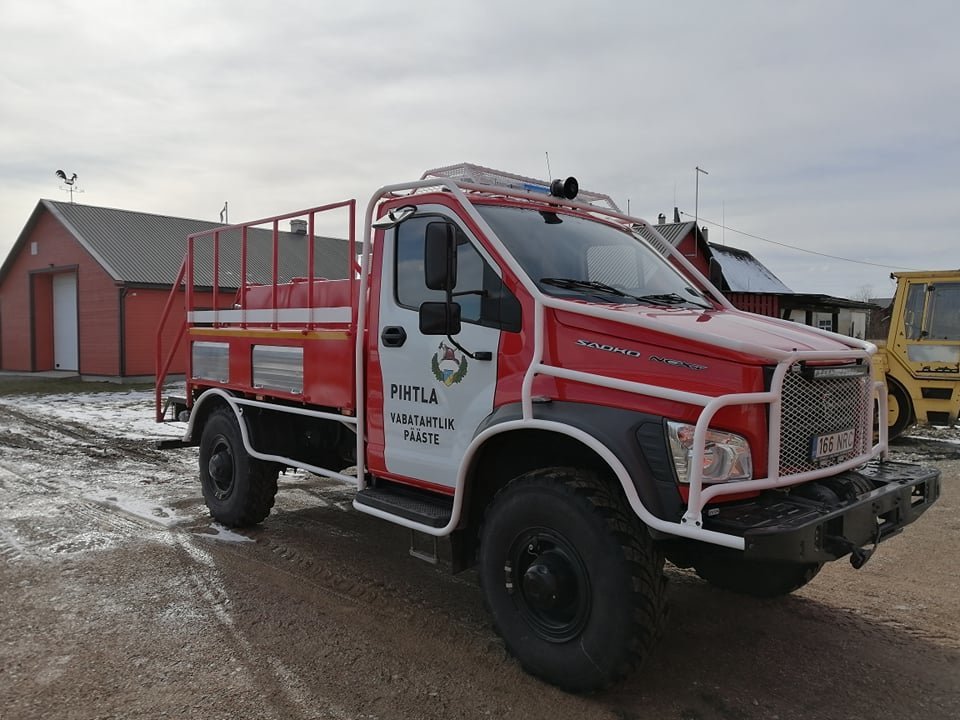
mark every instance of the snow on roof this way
{"type": "Point", "coordinates": [744, 273]}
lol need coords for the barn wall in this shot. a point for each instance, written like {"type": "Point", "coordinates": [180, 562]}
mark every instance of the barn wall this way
{"type": "Point", "coordinates": [57, 250]}
{"type": "Point", "coordinates": [142, 310]}
{"type": "Point", "coordinates": [692, 252]}
{"type": "Point", "coordinates": [756, 303]}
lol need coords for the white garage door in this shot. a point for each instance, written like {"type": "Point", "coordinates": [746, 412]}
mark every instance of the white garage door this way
{"type": "Point", "coordinates": [65, 346]}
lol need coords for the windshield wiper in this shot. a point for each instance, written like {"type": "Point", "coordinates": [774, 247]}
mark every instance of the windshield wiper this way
{"type": "Point", "coordinates": [664, 299]}
{"type": "Point", "coordinates": [592, 285]}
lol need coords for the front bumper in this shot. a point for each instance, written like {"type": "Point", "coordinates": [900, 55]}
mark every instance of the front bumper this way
{"type": "Point", "coordinates": [788, 528]}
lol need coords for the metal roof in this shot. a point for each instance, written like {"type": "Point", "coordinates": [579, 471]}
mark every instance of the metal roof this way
{"type": "Point", "coordinates": [673, 233]}
{"type": "Point", "coordinates": [141, 248]}
{"type": "Point", "coordinates": [744, 273]}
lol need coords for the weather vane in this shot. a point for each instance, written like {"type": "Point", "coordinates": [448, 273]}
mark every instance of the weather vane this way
{"type": "Point", "coordinates": [69, 182]}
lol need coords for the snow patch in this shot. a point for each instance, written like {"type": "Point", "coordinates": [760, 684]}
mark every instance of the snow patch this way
{"type": "Point", "coordinates": [138, 507]}
{"type": "Point", "coordinates": [127, 415]}
{"type": "Point", "coordinates": [224, 534]}
{"type": "Point", "coordinates": [943, 437]}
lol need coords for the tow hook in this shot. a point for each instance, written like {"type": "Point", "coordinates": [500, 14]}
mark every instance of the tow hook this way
{"type": "Point", "coordinates": [858, 555]}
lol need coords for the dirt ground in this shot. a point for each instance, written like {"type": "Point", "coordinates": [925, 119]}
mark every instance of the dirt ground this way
{"type": "Point", "coordinates": [119, 598]}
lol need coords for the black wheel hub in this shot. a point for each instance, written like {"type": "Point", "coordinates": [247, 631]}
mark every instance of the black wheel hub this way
{"type": "Point", "coordinates": [550, 584]}
{"type": "Point", "coordinates": [220, 469]}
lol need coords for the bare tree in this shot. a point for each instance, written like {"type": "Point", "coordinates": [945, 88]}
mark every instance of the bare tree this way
{"type": "Point", "coordinates": [863, 293]}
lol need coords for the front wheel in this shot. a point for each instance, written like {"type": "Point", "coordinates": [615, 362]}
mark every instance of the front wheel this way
{"type": "Point", "coordinates": [899, 409]}
{"type": "Point", "coordinates": [571, 578]}
{"type": "Point", "coordinates": [239, 490]}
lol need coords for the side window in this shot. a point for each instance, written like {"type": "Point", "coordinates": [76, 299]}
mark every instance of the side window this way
{"type": "Point", "coordinates": [943, 308]}
{"type": "Point", "coordinates": [491, 305]}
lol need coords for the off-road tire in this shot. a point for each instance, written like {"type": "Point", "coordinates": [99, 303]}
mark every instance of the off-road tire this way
{"type": "Point", "coordinates": [239, 490]}
{"type": "Point", "coordinates": [730, 571]}
{"type": "Point", "coordinates": [904, 416]}
{"type": "Point", "coordinates": [617, 606]}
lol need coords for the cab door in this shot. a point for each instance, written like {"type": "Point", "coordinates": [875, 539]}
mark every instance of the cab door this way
{"type": "Point", "coordinates": [434, 393]}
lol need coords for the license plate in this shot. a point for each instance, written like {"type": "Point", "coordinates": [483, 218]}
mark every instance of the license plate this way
{"type": "Point", "coordinates": [823, 446]}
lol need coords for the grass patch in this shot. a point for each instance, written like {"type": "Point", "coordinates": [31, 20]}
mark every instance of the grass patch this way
{"type": "Point", "coordinates": [57, 386]}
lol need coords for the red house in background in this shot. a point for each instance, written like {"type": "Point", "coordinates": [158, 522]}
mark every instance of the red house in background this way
{"type": "Point", "coordinates": [83, 287]}
{"type": "Point", "coordinates": [749, 285]}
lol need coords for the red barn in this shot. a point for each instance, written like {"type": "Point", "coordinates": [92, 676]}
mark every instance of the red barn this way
{"type": "Point", "coordinates": [83, 287]}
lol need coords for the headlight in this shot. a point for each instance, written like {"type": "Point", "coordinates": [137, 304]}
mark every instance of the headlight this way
{"type": "Point", "coordinates": [726, 457]}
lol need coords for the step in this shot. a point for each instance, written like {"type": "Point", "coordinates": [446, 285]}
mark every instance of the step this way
{"type": "Point", "coordinates": [425, 508]}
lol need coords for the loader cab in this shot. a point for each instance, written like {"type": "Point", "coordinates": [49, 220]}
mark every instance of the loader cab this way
{"type": "Point", "coordinates": [923, 350]}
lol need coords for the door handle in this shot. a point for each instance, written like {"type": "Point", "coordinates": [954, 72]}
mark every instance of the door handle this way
{"type": "Point", "coordinates": [393, 336]}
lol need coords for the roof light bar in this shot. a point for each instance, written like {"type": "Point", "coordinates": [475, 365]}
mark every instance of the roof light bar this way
{"type": "Point", "coordinates": [569, 188]}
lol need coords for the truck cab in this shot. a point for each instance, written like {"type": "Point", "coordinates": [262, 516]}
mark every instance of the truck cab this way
{"type": "Point", "coordinates": [512, 366]}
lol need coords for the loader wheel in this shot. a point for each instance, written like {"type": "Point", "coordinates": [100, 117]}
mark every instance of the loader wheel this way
{"type": "Point", "coordinates": [239, 490]}
{"type": "Point", "coordinates": [730, 571]}
{"type": "Point", "coordinates": [900, 409]}
{"type": "Point", "coordinates": [571, 577]}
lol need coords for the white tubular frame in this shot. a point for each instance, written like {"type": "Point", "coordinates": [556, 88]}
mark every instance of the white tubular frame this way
{"type": "Point", "coordinates": [691, 525]}
{"type": "Point", "coordinates": [237, 404]}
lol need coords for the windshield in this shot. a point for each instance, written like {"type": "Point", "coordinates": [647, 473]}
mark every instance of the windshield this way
{"type": "Point", "coordinates": [943, 311]}
{"type": "Point", "coordinates": [571, 256]}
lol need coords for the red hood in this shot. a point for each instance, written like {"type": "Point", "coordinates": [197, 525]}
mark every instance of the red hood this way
{"type": "Point", "coordinates": [736, 326]}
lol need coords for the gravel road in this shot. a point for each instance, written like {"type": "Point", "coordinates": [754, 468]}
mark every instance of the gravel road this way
{"type": "Point", "coordinates": [119, 598]}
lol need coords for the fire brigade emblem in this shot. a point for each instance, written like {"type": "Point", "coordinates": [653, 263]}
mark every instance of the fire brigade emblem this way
{"type": "Point", "coordinates": [449, 367]}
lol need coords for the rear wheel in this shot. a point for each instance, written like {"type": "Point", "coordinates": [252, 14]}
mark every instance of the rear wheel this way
{"type": "Point", "coordinates": [239, 490]}
{"type": "Point", "coordinates": [730, 571]}
{"type": "Point", "coordinates": [899, 409]}
{"type": "Point", "coordinates": [571, 578]}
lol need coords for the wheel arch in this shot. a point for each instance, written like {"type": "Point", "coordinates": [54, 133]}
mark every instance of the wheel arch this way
{"type": "Point", "coordinates": [507, 446]}
{"type": "Point", "coordinates": [209, 402]}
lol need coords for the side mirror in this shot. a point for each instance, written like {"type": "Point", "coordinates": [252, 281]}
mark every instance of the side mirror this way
{"type": "Point", "coordinates": [440, 318]}
{"type": "Point", "coordinates": [440, 257]}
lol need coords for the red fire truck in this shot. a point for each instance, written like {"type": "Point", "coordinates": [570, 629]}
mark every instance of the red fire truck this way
{"type": "Point", "coordinates": [507, 363]}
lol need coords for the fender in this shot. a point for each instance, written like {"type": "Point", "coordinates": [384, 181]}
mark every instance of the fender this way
{"type": "Point", "coordinates": [605, 454]}
{"type": "Point", "coordinates": [637, 439]}
{"type": "Point", "coordinates": [236, 404]}
{"type": "Point", "coordinates": [195, 412]}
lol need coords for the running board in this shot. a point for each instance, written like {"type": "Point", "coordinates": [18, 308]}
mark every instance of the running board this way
{"type": "Point", "coordinates": [419, 507]}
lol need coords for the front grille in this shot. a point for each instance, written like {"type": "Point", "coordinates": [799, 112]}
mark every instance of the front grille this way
{"type": "Point", "coordinates": [815, 407]}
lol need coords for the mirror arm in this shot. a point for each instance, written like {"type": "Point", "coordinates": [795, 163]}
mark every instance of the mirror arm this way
{"type": "Point", "coordinates": [479, 355]}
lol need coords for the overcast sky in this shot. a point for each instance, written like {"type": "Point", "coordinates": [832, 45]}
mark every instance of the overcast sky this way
{"type": "Point", "coordinates": [831, 126]}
